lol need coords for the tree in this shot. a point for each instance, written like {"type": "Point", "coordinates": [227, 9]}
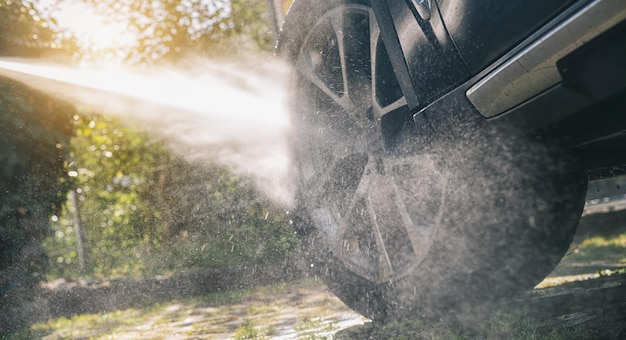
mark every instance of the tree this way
{"type": "Point", "coordinates": [34, 134]}
{"type": "Point", "coordinates": [133, 197]}
{"type": "Point", "coordinates": [146, 210]}
{"type": "Point", "coordinates": [25, 32]}
{"type": "Point", "coordinates": [169, 29]}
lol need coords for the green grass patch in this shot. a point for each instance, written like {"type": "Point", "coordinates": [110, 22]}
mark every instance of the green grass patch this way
{"type": "Point", "coordinates": [310, 328]}
{"type": "Point", "coordinates": [202, 315]}
{"type": "Point", "coordinates": [96, 326]}
{"type": "Point", "coordinates": [248, 331]}
{"type": "Point", "coordinates": [242, 314]}
{"type": "Point", "coordinates": [598, 254]}
{"type": "Point", "coordinates": [602, 247]}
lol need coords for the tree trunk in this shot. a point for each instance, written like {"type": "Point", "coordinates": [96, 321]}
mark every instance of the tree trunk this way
{"type": "Point", "coordinates": [81, 237]}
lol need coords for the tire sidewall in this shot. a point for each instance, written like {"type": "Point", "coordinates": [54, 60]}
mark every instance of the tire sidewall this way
{"type": "Point", "coordinates": [510, 213]}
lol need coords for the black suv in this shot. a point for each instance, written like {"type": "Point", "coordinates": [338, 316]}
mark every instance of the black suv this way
{"type": "Point", "coordinates": [443, 148]}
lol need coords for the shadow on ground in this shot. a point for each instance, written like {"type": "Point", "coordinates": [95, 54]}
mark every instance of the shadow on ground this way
{"type": "Point", "coordinates": [29, 305]}
{"type": "Point", "coordinates": [583, 298]}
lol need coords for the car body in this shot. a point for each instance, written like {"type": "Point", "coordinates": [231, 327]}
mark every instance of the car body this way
{"type": "Point", "coordinates": [475, 47]}
{"type": "Point", "coordinates": [442, 120]}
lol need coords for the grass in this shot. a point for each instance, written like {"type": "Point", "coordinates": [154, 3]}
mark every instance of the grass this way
{"type": "Point", "coordinates": [310, 312]}
{"type": "Point", "coordinates": [314, 329]}
{"type": "Point", "coordinates": [609, 249]}
{"type": "Point", "coordinates": [591, 257]}
{"type": "Point", "coordinates": [248, 331]}
{"type": "Point", "coordinates": [239, 314]}
{"type": "Point", "coordinates": [513, 325]}
{"type": "Point", "coordinates": [86, 325]}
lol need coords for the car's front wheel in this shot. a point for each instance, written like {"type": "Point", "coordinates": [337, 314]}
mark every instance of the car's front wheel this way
{"type": "Point", "coordinates": [395, 225]}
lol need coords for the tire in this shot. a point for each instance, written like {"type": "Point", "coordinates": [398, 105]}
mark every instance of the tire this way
{"type": "Point", "coordinates": [406, 223]}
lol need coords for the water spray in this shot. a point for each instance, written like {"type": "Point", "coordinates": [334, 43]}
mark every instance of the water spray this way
{"type": "Point", "coordinates": [234, 115]}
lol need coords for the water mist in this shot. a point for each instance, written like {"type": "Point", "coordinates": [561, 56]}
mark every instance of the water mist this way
{"type": "Point", "coordinates": [228, 113]}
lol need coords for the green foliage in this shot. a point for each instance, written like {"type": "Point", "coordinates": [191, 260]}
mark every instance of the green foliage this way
{"type": "Point", "coordinates": [34, 133]}
{"type": "Point", "coordinates": [146, 211]}
{"type": "Point", "coordinates": [33, 138]}
{"type": "Point", "coordinates": [248, 332]}
{"type": "Point", "coordinates": [26, 32]}
{"type": "Point", "coordinates": [169, 30]}
{"type": "Point", "coordinates": [139, 208]}
{"type": "Point", "coordinates": [250, 18]}
{"type": "Point", "coordinates": [107, 166]}
{"type": "Point", "coordinates": [612, 248]}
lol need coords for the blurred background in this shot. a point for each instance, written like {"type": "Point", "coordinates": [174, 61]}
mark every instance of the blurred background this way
{"type": "Point", "coordinates": [86, 196]}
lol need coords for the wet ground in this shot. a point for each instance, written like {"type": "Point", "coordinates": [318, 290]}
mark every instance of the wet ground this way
{"type": "Point", "coordinates": [590, 309]}
{"type": "Point", "coordinates": [584, 298]}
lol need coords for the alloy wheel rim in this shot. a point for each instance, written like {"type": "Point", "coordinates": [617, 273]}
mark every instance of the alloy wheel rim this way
{"type": "Point", "coordinates": [376, 210]}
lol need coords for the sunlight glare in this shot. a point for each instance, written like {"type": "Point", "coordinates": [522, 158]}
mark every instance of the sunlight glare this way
{"type": "Point", "coordinates": [90, 28]}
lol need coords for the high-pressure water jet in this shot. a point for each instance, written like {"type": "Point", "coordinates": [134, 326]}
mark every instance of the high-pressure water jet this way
{"type": "Point", "coordinates": [230, 113]}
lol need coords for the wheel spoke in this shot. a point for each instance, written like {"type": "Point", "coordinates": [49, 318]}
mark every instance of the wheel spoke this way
{"type": "Point", "coordinates": [381, 111]}
{"type": "Point", "coordinates": [346, 212]}
{"type": "Point", "coordinates": [385, 269]}
{"type": "Point", "coordinates": [312, 187]}
{"type": "Point", "coordinates": [378, 110]}
{"type": "Point", "coordinates": [419, 235]}
{"type": "Point", "coordinates": [418, 242]}
{"type": "Point", "coordinates": [307, 68]}
{"type": "Point", "coordinates": [319, 173]}
{"type": "Point", "coordinates": [374, 36]}
{"type": "Point", "coordinates": [338, 25]}
{"type": "Point", "coordinates": [360, 192]}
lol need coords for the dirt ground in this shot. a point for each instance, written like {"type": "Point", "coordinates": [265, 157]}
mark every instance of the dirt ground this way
{"type": "Point", "coordinates": [590, 309]}
{"type": "Point", "coordinates": [584, 298]}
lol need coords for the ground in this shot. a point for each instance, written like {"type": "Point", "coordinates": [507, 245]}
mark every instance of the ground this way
{"type": "Point", "coordinates": [585, 297]}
